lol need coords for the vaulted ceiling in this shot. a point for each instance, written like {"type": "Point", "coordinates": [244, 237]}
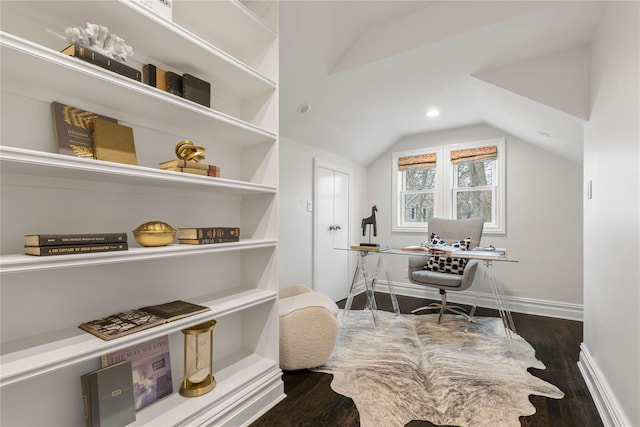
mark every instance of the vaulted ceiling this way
{"type": "Point", "coordinates": [370, 69]}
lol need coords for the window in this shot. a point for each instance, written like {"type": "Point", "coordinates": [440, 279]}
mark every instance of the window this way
{"type": "Point", "coordinates": [454, 181]}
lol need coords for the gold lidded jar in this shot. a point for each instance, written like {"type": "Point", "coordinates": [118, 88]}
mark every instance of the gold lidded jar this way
{"type": "Point", "coordinates": [154, 233]}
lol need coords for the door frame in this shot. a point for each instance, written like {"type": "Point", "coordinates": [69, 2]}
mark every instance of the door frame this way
{"type": "Point", "coordinates": [319, 163]}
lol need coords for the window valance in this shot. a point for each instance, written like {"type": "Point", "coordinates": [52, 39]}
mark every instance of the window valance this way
{"type": "Point", "coordinates": [419, 161]}
{"type": "Point", "coordinates": [474, 154]}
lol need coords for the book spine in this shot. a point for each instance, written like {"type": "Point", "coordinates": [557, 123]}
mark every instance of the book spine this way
{"type": "Point", "coordinates": [84, 382]}
{"type": "Point", "coordinates": [74, 239]}
{"type": "Point", "coordinates": [209, 240]}
{"type": "Point", "coordinates": [208, 232]}
{"type": "Point", "coordinates": [183, 164]}
{"type": "Point", "coordinates": [196, 90]}
{"type": "Point", "coordinates": [95, 58]}
{"type": "Point", "coordinates": [149, 75]}
{"type": "Point", "coordinates": [74, 249]}
{"type": "Point", "coordinates": [174, 83]}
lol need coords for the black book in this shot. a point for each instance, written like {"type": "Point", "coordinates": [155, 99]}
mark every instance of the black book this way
{"type": "Point", "coordinates": [174, 83]}
{"type": "Point", "coordinates": [95, 58]}
{"type": "Point", "coordinates": [196, 90]}
{"type": "Point", "coordinates": [108, 396]}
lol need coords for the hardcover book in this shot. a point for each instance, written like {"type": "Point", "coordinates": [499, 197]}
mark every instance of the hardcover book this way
{"type": "Point", "coordinates": [208, 232]}
{"type": "Point", "coordinates": [181, 163]}
{"type": "Point", "coordinates": [73, 239]}
{"type": "Point", "coordinates": [71, 127]}
{"type": "Point", "coordinates": [214, 171]}
{"type": "Point", "coordinates": [154, 76]}
{"type": "Point", "coordinates": [95, 58]}
{"type": "Point", "coordinates": [208, 240]}
{"type": "Point", "coordinates": [67, 249]}
{"type": "Point", "coordinates": [129, 322]}
{"type": "Point", "coordinates": [196, 90]}
{"type": "Point", "coordinates": [174, 83]}
{"type": "Point", "coordinates": [192, 171]}
{"type": "Point", "coordinates": [151, 369]}
{"type": "Point", "coordinates": [113, 142]}
{"type": "Point", "coordinates": [108, 396]}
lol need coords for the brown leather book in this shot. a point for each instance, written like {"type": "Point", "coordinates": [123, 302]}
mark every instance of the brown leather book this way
{"type": "Point", "coordinates": [71, 127]}
{"type": "Point", "coordinates": [113, 142]}
{"type": "Point", "coordinates": [174, 83]}
{"type": "Point", "coordinates": [154, 76]}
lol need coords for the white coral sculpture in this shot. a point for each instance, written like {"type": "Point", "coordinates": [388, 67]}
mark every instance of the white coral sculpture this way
{"type": "Point", "coordinates": [97, 38]}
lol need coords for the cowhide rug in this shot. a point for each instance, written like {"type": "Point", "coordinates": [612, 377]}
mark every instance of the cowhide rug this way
{"type": "Point", "coordinates": [410, 368]}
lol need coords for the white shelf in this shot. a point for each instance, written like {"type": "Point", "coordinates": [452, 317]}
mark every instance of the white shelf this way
{"type": "Point", "coordinates": [30, 162]}
{"type": "Point", "coordinates": [160, 40]}
{"type": "Point", "coordinates": [241, 29]}
{"type": "Point", "coordinates": [246, 374]}
{"type": "Point", "coordinates": [26, 263]}
{"type": "Point", "coordinates": [26, 64]}
{"type": "Point", "coordinates": [31, 357]}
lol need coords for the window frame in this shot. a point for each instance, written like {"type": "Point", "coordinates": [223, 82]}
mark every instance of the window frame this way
{"type": "Point", "coordinates": [446, 187]}
{"type": "Point", "coordinates": [399, 192]}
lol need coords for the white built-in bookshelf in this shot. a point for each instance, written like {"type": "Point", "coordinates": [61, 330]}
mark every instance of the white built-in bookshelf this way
{"type": "Point", "coordinates": [232, 45]}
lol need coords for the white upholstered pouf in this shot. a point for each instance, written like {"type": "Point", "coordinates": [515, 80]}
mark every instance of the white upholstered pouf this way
{"type": "Point", "coordinates": [308, 327]}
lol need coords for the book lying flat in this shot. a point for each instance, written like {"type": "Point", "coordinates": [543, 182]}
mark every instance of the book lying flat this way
{"type": "Point", "coordinates": [75, 249]}
{"type": "Point", "coordinates": [208, 232]}
{"type": "Point", "coordinates": [131, 321]}
{"type": "Point", "coordinates": [73, 239]}
{"type": "Point", "coordinates": [382, 248]}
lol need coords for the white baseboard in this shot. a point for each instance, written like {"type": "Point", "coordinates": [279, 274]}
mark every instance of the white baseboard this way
{"type": "Point", "coordinates": [610, 411]}
{"type": "Point", "coordinates": [538, 307]}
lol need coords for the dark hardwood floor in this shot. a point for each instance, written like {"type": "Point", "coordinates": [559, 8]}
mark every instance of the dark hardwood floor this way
{"type": "Point", "coordinates": [311, 401]}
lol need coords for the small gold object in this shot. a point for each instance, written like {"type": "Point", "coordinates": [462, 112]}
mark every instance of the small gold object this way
{"type": "Point", "coordinates": [198, 360]}
{"type": "Point", "coordinates": [186, 151]}
{"type": "Point", "coordinates": [154, 233]}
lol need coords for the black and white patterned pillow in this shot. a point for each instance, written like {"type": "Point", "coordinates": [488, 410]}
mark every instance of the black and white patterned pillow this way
{"type": "Point", "coordinates": [448, 264]}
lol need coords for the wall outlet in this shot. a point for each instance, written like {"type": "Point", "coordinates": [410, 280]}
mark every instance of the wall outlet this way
{"type": "Point", "coordinates": [309, 206]}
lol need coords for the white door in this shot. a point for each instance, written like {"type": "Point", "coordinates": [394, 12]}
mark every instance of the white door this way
{"type": "Point", "coordinates": [331, 230]}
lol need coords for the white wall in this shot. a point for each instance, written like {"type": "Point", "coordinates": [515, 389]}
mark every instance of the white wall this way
{"type": "Point", "coordinates": [544, 223]}
{"type": "Point", "coordinates": [611, 348]}
{"type": "Point", "coordinates": [295, 241]}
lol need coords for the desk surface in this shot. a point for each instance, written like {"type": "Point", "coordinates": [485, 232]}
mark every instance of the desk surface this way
{"type": "Point", "coordinates": [502, 255]}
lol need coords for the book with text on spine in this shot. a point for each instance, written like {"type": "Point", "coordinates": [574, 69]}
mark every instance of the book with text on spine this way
{"type": "Point", "coordinates": [74, 249]}
{"type": "Point", "coordinates": [208, 240]}
{"type": "Point", "coordinates": [85, 54]}
{"type": "Point", "coordinates": [74, 239]}
{"type": "Point", "coordinates": [208, 232]}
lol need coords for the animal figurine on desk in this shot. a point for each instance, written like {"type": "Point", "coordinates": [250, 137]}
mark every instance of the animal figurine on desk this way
{"type": "Point", "coordinates": [370, 220]}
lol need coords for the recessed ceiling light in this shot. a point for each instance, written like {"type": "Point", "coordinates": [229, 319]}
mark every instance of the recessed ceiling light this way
{"type": "Point", "coordinates": [304, 108]}
{"type": "Point", "coordinates": [432, 112]}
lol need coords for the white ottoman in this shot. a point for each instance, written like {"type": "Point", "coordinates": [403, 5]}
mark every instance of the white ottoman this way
{"type": "Point", "coordinates": [308, 327]}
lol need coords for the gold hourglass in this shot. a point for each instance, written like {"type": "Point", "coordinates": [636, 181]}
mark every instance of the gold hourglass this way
{"type": "Point", "coordinates": [198, 360]}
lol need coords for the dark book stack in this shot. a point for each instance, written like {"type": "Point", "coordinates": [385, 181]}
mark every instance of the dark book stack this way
{"type": "Point", "coordinates": [67, 244]}
{"type": "Point", "coordinates": [208, 235]}
{"type": "Point", "coordinates": [188, 166]}
{"type": "Point", "coordinates": [186, 85]}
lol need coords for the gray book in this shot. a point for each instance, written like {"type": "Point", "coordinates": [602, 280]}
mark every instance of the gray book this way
{"type": "Point", "coordinates": [108, 396]}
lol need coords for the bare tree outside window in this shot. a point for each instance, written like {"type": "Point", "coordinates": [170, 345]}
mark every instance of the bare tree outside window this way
{"type": "Point", "coordinates": [418, 199]}
{"type": "Point", "coordinates": [474, 189]}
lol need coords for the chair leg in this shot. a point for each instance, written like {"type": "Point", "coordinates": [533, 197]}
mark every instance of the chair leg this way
{"type": "Point", "coordinates": [442, 307]}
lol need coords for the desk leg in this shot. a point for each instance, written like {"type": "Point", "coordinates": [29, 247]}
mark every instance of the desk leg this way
{"type": "Point", "coordinates": [369, 285]}
{"type": "Point", "coordinates": [392, 291]}
{"type": "Point", "coordinates": [498, 293]}
{"type": "Point", "coordinates": [361, 268]}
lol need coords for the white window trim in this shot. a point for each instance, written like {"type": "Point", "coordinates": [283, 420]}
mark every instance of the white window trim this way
{"type": "Point", "coordinates": [396, 215]}
{"type": "Point", "coordinates": [443, 202]}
